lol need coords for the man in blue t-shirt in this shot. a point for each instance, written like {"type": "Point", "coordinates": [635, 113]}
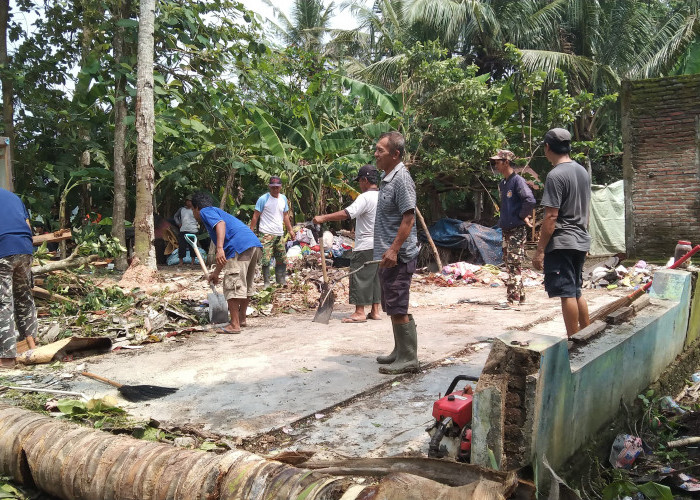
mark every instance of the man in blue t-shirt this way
{"type": "Point", "coordinates": [237, 251]}
{"type": "Point", "coordinates": [16, 300]}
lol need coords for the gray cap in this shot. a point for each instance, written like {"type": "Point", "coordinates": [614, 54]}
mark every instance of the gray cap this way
{"type": "Point", "coordinates": [557, 135]}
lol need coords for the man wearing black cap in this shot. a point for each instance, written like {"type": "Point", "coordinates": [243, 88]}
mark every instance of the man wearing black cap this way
{"type": "Point", "coordinates": [564, 239]}
{"type": "Point", "coordinates": [272, 210]}
{"type": "Point", "coordinates": [364, 284]}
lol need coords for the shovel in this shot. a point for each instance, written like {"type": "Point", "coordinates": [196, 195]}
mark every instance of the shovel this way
{"type": "Point", "coordinates": [327, 299]}
{"type": "Point", "coordinates": [218, 307]}
{"type": "Point", "coordinates": [325, 303]}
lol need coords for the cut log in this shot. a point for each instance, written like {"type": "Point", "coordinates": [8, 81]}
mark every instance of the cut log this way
{"type": "Point", "coordinates": [443, 471]}
{"type": "Point", "coordinates": [73, 261]}
{"type": "Point", "coordinates": [55, 237]}
{"type": "Point", "coordinates": [46, 295]}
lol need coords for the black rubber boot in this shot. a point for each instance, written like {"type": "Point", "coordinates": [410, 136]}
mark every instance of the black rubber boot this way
{"type": "Point", "coordinates": [266, 276]}
{"type": "Point", "coordinates": [406, 352]}
{"type": "Point", "coordinates": [281, 274]}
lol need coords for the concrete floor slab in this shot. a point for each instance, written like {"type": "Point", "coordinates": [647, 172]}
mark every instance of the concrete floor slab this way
{"type": "Point", "coordinates": [284, 368]}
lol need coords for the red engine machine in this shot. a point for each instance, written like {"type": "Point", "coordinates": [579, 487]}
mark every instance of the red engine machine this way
{"type": "Point", "coordinates": [451, 434]}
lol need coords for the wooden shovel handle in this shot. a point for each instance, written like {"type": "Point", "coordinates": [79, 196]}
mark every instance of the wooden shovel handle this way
{"type": "Point", "coordinates": [323, 255]}
{"type": "Point", "coordinates": [193, 244]}
{"type": "Point", "coordinates": [102, 379]}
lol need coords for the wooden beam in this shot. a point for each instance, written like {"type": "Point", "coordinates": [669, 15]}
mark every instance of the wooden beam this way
{"type": "Point", "coordinates": [56, 236]}
{"type": "Point", "coordinates": [46, 295]}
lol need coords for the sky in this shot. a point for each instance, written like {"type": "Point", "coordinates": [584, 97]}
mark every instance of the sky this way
{"type": "Point", "coordinates": [341, 20]}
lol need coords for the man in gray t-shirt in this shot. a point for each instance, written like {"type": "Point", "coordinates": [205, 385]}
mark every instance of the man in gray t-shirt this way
{"type": "Point", "coordinates": [564, 239]}
{"type": "Point", "coordinates": [396, 245]}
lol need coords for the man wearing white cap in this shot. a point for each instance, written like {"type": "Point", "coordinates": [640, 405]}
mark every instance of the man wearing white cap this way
{"type": "Point", "coordinates": [272, 210]}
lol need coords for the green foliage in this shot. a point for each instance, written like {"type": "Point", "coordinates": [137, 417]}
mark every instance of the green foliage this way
{"type": "Point", "coordinates": [99, 413]}
{"type": "Point", "coordinates": [96, 239]}
{"type": "Point", "coordinates": [232, 109]}
{"type": "Point", "coordinates": [9, 490]}
{"type": "Point", "coordinates": [621, 488]}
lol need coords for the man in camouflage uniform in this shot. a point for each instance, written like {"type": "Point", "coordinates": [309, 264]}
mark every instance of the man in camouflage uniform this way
{"type": "Point", "coordinates": [272, 211]}
{"type": "Point", "coordinates": [517, 203]}
{"type": "Point", "coordinates": [16, 300]}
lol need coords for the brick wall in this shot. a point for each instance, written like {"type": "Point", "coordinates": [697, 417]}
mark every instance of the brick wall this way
{"type": "Point", "coordinates": [661, 137]}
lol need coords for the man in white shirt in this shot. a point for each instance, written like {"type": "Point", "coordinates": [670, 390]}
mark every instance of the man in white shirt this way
{"type": "Point", "coordinates": [364, 284]}
{"type": "Point", "coordinates": [272, 210]}
{"type": "Point", "coordinates": [184, 218]}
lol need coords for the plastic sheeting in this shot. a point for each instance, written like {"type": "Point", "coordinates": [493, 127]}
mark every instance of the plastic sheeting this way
{"type": "Point", "coordinates": [607, 219]}
{"type": "Point", "coordinates": [483, 243]}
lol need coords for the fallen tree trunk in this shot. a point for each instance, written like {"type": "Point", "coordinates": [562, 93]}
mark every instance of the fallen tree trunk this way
{"type": "Point", "coordinates": [73, 261]}
{"type": "Point", "coordinates": [46, 295]}
{"type": "Point", "coordinates": [73, 462]}
{"type": "Point", "coordinates": [443, 471]}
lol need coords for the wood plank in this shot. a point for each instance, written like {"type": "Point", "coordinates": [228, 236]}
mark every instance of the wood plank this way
{"type": "Point", "coordinates": [56, 236]}
{"type": "Point", "coordinates": [641, 303]}
{"type": "Point", "coordinates": [620, 316]}
{"type": "Point", "coordinates": [46, 295]}
{"type": "Point", "coordinates": [590, 331]}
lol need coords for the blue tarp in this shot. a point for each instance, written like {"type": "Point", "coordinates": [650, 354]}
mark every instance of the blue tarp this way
{"type": "Point", "coordinates": [483, 243]}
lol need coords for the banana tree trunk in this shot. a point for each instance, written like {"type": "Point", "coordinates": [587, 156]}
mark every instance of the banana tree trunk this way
{"type": "Point", "coordinates": [73, 462]}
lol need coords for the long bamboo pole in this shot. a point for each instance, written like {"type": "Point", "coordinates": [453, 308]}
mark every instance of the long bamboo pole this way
{"type": "Point", "coordinates": [430, 239]}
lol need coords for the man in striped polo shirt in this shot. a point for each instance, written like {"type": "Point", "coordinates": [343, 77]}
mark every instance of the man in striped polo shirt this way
{"type": "Point", "coordinates": [396, 245]}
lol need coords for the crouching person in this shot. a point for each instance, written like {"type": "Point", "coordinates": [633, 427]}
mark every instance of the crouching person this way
{"type": "Point", "coordinates": [16, 300]}
{"type": "Point", "coordinates": [237, 251]}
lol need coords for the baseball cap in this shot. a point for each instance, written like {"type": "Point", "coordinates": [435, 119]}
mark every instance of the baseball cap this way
{"type": "Point", "coordinates": [503, 154]}
{"type": "Point", "coordinates": [366, 171]}
{"type": "Point", "coordinates": [275, 181]}
{"type": "Point", "coordinates": [557, 135]}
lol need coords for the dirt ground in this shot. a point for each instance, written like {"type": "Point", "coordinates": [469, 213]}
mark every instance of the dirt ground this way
{"type": "Point", "coordinates": [287, 383]}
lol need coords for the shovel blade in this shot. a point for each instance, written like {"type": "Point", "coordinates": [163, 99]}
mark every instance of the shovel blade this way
{"type": "Point", "coordinates": [218, 308]}
{"type": "Point", "coordinates": [325, 306]}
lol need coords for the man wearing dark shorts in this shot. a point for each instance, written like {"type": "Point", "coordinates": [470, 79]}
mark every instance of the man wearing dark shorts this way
{"type": "Point", "coordinates": [237, 251]}
{"type": "Point", "coordinates": [564, 239]}
{"type": "Point", "coordinates": [396, 245]}
{"type": "Point", "coordinates": [364, 282]}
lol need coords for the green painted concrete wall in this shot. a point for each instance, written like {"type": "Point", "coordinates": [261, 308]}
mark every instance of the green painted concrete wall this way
{"type": "Point", "coordinates": [575, 396]}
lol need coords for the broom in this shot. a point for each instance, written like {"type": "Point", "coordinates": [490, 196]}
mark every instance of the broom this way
{"type": "Point", "coordinates": [135, 393]}
{"type": "Point", "coordinates": [628, 299]}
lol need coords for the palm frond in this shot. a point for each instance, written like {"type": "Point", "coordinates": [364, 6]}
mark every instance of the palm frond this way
{"type": "Point", "coordinates": [579, 68]}
{"type": "Point", "coordinates": [666, 56]}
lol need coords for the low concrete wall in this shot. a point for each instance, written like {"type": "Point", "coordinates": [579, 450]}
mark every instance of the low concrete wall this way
{"type": "Point", "coordinates": [556, 401]}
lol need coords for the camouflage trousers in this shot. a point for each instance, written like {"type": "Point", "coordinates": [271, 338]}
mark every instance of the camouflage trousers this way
{"type": "Point", "coordinates": [273, 246]}
{"type": "Point", "coordinates": [16, 303]}
{"type": "Point", "coordinates": [513, 256]}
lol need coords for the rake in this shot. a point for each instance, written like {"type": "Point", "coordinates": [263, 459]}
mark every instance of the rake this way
{"type": "Point", "coordinates": [135, 393]}
{"type": "Point", "coordinates": [628, 299]}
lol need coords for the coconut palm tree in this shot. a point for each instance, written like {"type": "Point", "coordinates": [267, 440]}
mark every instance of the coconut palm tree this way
{"type": "Point", "coordinates": [309, 23]}
{"type": "Point", "coordinates": [597, 42]}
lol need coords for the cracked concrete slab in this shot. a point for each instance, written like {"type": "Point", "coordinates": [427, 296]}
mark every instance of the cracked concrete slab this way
{"type": "Point", "coordinates": [284, 368]}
